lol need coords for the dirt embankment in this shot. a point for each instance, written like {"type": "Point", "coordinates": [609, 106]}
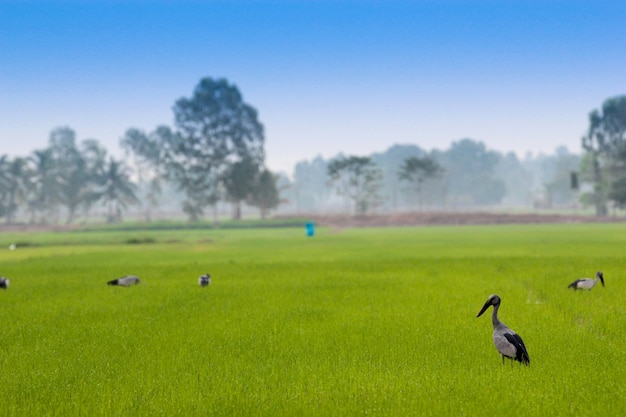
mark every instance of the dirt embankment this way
{"type": "Point", "coordinates": [454, 218]}
{"type": "Point", "coordinates": [397, 219]}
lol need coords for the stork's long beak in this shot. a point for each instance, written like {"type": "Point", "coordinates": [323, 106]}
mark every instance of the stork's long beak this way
{"type": "Point", "coordinates": [485, 307]}
{"type": "Point", "coordinates": [601, 279]}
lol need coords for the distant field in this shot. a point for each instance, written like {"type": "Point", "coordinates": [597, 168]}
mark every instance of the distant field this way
{"type": "Point", "coordinates": [352, 322]}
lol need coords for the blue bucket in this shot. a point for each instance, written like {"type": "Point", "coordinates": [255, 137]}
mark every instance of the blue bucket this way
{"type": "Point", "coordinates": [310, 229]}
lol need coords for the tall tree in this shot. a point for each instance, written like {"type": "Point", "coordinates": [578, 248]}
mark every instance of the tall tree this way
{"type": "Point", "coordinates": [605, 142]}
{"type": "Point", "coordinates": [72, 169]}
{"type": "Point", "coordinates": [94, 159]}
{"type": "Point", "coordinates": [46, 184]}
{"type": "Point", "coordinates": [596, 146]}
{"type": "Point", "coordinates": [416, 171]}
{"type": "Point", "coordinates": [214, 129]}
{"type": "Point", "coordinates": [148, 160]}
{"type": "Point", "coordinates": [357, 178]}
{"type": "Point", "coordinates": [5, 180]}
{"type": "Point", "coordinates": [16, 180]}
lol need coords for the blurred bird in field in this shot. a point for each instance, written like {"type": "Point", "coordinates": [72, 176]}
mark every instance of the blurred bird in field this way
{"type": "Point", "coordinates": [587, 283]}
{"type": "Point", "coordinates": [125, 281]}
{"type": "Point", "coordinates": [204, 280]}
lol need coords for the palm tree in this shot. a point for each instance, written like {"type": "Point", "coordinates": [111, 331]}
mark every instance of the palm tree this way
{"type": "Point", "coordinates": [16, 178]}
{"type": "Point", "coordinates": [94, 156]}
{"type": "Point", "coordinates": [74, 185]}
{"type": "Point", "coordinates": [119, 190]}
{"type": "Point", "coordinates": [4, 183]}
{"type": "Point", "coordinates": [46, 181]}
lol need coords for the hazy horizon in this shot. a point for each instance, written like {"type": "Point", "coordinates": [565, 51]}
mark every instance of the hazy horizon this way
{"type": "Point", "coordinates": [326, 77]}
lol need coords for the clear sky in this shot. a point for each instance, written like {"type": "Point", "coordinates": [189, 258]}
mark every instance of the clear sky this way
{"type": "Point", "coordinates": [326, 76]}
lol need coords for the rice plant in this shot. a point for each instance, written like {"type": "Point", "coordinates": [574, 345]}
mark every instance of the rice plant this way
{"type": "Point", "coordinates": [353, 322]}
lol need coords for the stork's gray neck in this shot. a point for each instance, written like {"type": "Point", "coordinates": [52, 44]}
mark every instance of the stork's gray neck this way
{"type": "Point", "coordinates": [494, 316]}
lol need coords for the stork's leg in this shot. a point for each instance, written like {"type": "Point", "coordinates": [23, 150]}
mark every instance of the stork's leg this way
{"type": "Point", "coordinates": [502, 359]}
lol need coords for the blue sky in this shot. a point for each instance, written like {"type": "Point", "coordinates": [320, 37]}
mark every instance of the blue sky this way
{"type": "Point", "coordinates": [326, 76]}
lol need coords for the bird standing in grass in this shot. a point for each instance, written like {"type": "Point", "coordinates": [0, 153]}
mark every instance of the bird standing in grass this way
{"type": "Point", "coordinates": [508, 343]}
{"type": "Point", "coordinates": [204, 280]}
{"type": "Point", "coordinates": [125, 281]}
{"type": "Point", "coordinates": [4, 283]}
{"type": "Point", "coordinates": [587, 283]}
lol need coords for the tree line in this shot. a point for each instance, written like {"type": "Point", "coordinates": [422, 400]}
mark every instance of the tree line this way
{"type": "Point", "coordinates": [63, 180]}
{"type": "Point", "coordinates": [469, 175]}
{"type": "Point", "coordinates": [604, 165]}
{"type": "Point", "coordinates": [214, 154]}
{"type": "Point", "coordinates": [406, 177]}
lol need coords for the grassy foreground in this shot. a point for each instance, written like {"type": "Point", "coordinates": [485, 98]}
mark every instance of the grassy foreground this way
{"type": "Point", "coordinates": [363, 321]}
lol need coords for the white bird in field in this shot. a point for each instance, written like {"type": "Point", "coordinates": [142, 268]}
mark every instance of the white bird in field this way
{"type": "Point", "coordinates": [204, 280]}
{"type": "Point", "coordinates": [125, 281]}
{"type": "Point", "coordinates": [587, 283]}
{"type": "Point", "coordinates": [509, 344]}
{"type": "Point", "coordinates": [4, 283]}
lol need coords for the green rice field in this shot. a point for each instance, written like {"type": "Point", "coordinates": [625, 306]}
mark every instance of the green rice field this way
{"type": "Point", "coordinates": [347, 323]}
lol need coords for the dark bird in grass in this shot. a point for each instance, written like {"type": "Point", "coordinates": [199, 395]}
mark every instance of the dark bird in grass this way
{"type": "Point", "coordinates": [204, 280]}
{"type": "Point", "coordinates": [125, 281]}
{"type": "Point", "coordinates": [508, 343]}
{"type": "Point", "coordinates": [587, 283]}
{"type": "Point", "coordinates": [4, 283]}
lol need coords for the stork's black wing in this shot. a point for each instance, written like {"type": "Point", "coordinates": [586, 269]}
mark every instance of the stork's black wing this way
{"type": "Point", "coordinates": [574, 284]}
{"type": "Point", "coordinates": [521, 354]}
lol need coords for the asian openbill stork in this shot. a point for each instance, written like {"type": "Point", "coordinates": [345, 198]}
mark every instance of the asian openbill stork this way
{"type": "Point", "coordinates": [125, 281]}
{"type": "Point", "coordinates": [4, 283]}
{"type": "Point", "coordinates": [509, 344]}
{"type": "Point", "coordinates": [587, 283]}
{"type": "Point", "coordinates": [204, 280]}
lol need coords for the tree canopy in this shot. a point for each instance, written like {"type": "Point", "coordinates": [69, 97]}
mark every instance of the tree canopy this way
{"type": "Point", "coordinates": [357, 178]}
{"type": "Point", "coordinates": [605, 143]}
{"type": "Point", "coordinates": [215, 133]}
{"type": "Point", "coordinates": [417, 170]}
{"type": "Point", "coordinates": [470, 173]}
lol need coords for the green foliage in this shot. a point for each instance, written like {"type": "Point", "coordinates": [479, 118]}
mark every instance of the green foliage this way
{"type": "Point", "coordinates": [118, 190]}
{"type": "Point", "coordinates": [605, 142]}
{"type": "Point", "coordinates": [471, 173]}
{"type": "Point", "coordinates": [215, 130]}
{"type": "Point", "coordinates": [239, 182]}
{"type": "Point", "coordinates": [14, 184]}
{"type": "Point", "coordinates": [63, 175]}
{"type": "Point", "coordinates": [417, 170]}
{"type": "Point", "coordinates": [367, 321]}
{"type": "Point", "coordinates": [357, 178]}
{"type": "Point", "coordinates": [266, 194]}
